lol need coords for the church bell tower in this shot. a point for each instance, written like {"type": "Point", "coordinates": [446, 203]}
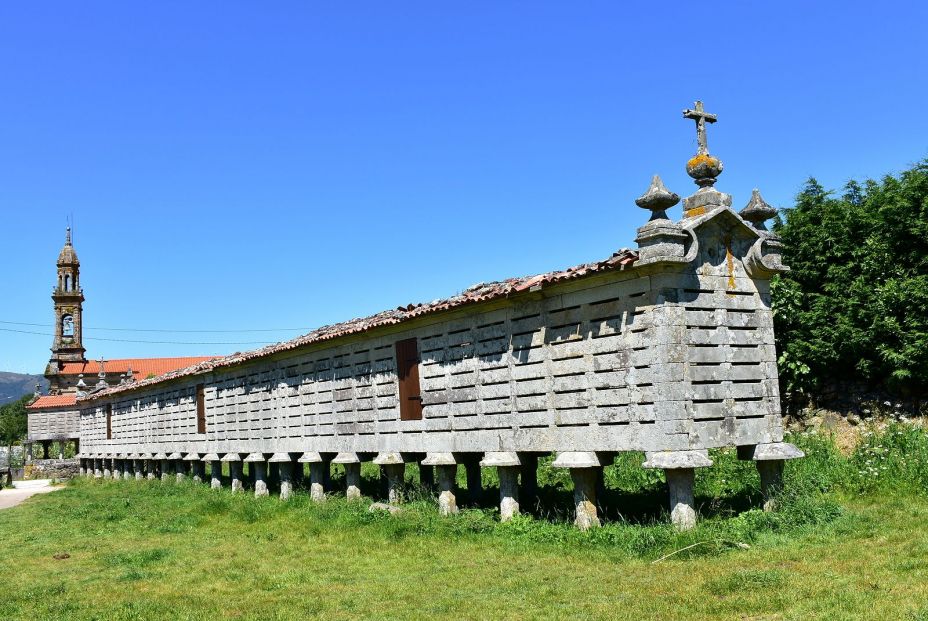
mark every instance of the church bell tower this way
{"type": "Point", "coordinates": [68, 299]}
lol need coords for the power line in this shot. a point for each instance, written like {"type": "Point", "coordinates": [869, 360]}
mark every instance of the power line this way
{"type": "Point", "coordinates": [97, 338]}
{"type": "Point", "coordinates": [48, 325]}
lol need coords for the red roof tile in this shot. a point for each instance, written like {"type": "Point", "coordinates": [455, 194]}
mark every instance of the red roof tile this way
{"type": "Point", "coordinates": [141, 367]}
{"type": "Point", "coordinates": [482, 292]}
{"type": "Point", "coordinates": [53, 401]}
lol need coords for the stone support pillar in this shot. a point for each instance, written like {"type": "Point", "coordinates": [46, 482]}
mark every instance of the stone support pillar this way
{"type": "Point", "coordinates": [352, 464]}
{"type": "Point", "coordinates": [585, 468]}
{"type": "Point", "coordinates": [97, 468]}
{"type": "Point", "coordinates": [198, 471]}
{"type": "Point", "coordinates": [162, 460]}
{"type": "Point", "coordinates": [82, 469]}
{"type": "Point", "coordinates": [150, 467]}
{"type": "Point", "coordinates": [317, 468]}
{"type": "Point", "coordinates": [281, 462]}
{"type": "Point", "coordinates": [682, 504]}
{"type": "Point", "coordinates": [446, 467]}
{"type": "Point", "coordinates": [679, 468]}
{"type": "Point", "coordinates": [128, 472]}
{"type": "Point", "coordinates": [770, 459]}
{"type": "Point", "coordinates": [235, 471]}
{"type": "Point", "coordinates": [395, 469]}
{"type": "Point", "coordinates": [507, 466]}
{"type": "Point", "coordinates": [107, 468]}
{"type": "Point", "coordinates": [45, 446]}
{"type": "Point", "coordinates": [215, 470]}
{"type": "Point", "coordinates": [179, 466]}
{"type": "Point", "coordinates": [259, 465]}
{"type": "Point", "coordinates": [138, 466]}
{"type": "Point", "coordinates": [317, 481]}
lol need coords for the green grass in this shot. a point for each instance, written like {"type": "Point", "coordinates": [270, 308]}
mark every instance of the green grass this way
{"type": "Point", "coordinates": [849, 542]}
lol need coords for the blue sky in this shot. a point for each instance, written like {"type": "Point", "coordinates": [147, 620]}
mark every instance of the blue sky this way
{"type": "Point", "coordinates": [243, 166]}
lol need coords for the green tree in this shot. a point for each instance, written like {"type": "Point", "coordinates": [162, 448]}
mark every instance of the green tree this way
{"type": "Point", "coordinates": [855, 305]}
{"type": "Point", "coordinates": [13, 428]}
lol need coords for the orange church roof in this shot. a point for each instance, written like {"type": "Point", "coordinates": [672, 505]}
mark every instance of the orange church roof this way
{"type": "Point", "coordinates": [141, 367]}
{"type": "Point", "coordinates": [53, 401]}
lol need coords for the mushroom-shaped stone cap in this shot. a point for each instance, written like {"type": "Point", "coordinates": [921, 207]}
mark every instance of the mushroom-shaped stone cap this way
{"type": "Point", "coordinates": [576, 460]}
{"type": "Point", "coordinates": [671, 460]}
{"type": "Point", "coordinates": [658, 199]}
{"type": "Point", "coordinates": [439, 459]}
{"type": "Point", "coordinates": [388, 459]}
{"type": "Point", "coordinates": [192, 457]}
{"type": "Point", "coordinates": [175, 456]}
{"type": "Point", "coordinates": [344, 458]}
{"type": "Point", "coordinates": [211, 457]}
{"type": "Point", "coordinates": [279, 458]}
{"type": "Point", "coordinates": [254, 458]}
{"type": "Point", "coordinates": [231, 457]}
{"type": "Point", "coordinates": [500, 458]}
{"type": "Point", "coordinates": [775, 451]}
{"type": "Point", "coordinates": [757, 211]}
{"type": "Point", "coordinates": [310, 457]}
{"type": "Point", "coordinates": [161, 456]}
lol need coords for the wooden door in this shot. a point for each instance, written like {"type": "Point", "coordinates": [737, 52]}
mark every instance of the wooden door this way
{"type": "Point", "coordinates": [407, 372]}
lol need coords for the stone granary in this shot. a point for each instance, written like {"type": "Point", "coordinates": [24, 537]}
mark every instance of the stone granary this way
{"type": "Point", "coordinates": [667, 350]}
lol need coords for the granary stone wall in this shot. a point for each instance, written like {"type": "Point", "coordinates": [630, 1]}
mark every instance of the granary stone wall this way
{"type": "Point", "coordinates": [54, 424]}
{"type": "Point", "coordinates": [671, 356]}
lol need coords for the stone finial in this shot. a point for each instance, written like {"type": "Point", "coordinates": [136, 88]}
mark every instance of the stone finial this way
{"type": "Point", "coordinates": [38, 391]}
{"type": "Point", "coordinates": [102, 375]}
{"type": "Point", "coordinates": [757, 211]}
{"type": "Point", "coordinates": [658, 199]}
{"type": "Point", "coordinates": [129, 377]}
{"type": "Point", "coordinates": [67, 236]}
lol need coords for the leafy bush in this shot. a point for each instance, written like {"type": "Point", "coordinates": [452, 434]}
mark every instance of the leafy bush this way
{"type": "Point", "coordinates": [855, 305]}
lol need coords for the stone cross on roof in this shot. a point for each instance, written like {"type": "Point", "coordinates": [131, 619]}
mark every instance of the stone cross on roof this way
{"type": "Point", "coordinates": [701, 117]}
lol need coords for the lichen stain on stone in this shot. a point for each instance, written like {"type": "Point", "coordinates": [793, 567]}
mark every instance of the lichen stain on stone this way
{"type": "Point", "coordinates": [730, 261]}
{"type": "Point", "coordinates": [696, 211]}
{"type": "Point", "coordinates": [702, 158]}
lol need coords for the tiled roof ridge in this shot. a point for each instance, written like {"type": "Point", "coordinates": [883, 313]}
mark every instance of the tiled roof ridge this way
{"type": "Point", "coordinates": [136, 364]}
{"type": "Point", "coordinates": [53, 401]}
{"type": "Point", "coordinates": [480, 292]}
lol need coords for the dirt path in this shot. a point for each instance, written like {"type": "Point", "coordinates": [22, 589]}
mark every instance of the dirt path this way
{"type": "Point", "coordinates": [21, 490]}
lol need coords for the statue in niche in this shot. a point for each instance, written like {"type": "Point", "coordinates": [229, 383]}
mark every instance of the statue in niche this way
{"type": "Point", "coordinates": [67, 326]}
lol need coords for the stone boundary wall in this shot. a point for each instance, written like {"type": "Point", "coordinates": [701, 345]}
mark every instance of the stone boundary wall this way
{"type": "Point", "coordinates": [60, 469]}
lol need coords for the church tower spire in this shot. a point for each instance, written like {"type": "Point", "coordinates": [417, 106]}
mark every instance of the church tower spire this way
{"type": "Point", "coordinates": [68, 299]}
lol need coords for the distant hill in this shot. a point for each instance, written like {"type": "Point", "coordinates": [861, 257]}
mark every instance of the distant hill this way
{"type": "Point", "coordinates": [15, 385]}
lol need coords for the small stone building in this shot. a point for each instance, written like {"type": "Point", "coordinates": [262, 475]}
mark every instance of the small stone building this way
{"type": "Point", "coordinates": [668, 350]}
